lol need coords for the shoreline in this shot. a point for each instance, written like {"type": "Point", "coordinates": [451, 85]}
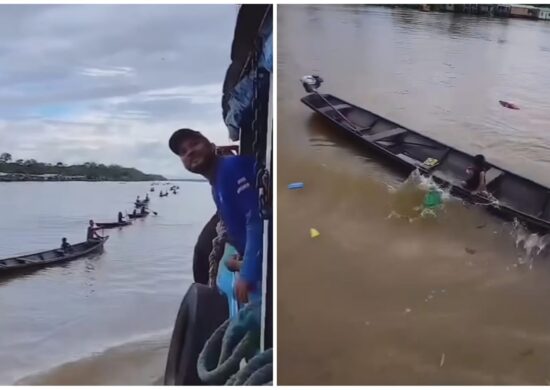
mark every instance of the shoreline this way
{"type": "Point", "coordinates": [134, 362]}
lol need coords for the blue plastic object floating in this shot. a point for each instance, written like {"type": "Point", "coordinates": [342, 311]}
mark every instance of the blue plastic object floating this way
{"type": "Point", "coordinates": [295, 186]}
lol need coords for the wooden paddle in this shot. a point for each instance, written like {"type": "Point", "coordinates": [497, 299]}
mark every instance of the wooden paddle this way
{"type": "Point", "coordinates": [154, 212]}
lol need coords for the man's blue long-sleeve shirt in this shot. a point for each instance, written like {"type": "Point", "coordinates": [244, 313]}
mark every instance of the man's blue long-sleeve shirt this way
{"type": "Point", "coordinates": [236, 198]}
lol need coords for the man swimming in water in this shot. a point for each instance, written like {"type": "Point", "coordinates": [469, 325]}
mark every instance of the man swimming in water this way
{"type": "Point", "coordinates": [476, 179]}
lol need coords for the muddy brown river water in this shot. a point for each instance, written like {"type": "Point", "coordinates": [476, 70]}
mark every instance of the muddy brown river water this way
{"type": "Point", "coordinates": [383, 296]}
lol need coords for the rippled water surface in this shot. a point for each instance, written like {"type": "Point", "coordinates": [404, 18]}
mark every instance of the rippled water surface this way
{"type": "Point", "coordinates": [126, 296]}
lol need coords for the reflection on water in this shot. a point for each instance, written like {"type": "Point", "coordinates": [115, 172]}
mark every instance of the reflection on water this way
{"type": "Point", "coordinates": [127, 293]}
{"type": "Point", "coordinates": [376, 312]}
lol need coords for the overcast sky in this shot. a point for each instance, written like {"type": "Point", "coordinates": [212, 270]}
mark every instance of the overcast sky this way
{"type": "Point", "coordinates": [110, 83]}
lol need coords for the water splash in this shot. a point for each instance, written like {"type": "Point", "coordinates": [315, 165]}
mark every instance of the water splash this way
{"type": "Point", "coordinates": [408, 198]}
{"type": "Point", "coordinates": [531, 245]}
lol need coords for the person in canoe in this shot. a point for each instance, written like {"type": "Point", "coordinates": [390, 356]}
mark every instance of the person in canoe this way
{"type": "Point", "coordinates": [137, 199]}
{"type": "Point", "coordinates": [146, 198]}
{"type": "Point", "coordinates": [65, 246]}
{"type": "Point", "coordinates": [142, 211]}
{"type": "Point", "coordinates": [237, 199]}
{"type": "Point", "coordinates": [120, 217]}
{"type": "Point", "coordinates": [91, 233]}
{"type": "Point", "coordinates": [476, 175]}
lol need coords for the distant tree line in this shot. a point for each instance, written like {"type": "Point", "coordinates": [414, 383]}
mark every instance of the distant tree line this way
{"type": "Point", "coordinates": [89, 170]}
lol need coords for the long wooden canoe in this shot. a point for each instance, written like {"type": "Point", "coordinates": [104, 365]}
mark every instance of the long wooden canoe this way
{"type": "Point", "coordinates": [112, 225]}
{"type": "Point", "coordinates": [517, 197]}
{"type": "Point", "coordinates": [132, 216]}
{"type": "Point", "coordinates": [50, 257]}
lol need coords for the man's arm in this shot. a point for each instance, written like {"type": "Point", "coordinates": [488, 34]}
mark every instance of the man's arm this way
{"type": "Point", "coordinates": [248, 203]}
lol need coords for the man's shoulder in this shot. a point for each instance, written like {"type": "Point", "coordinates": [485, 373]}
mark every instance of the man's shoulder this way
{"type": "Point", "coordinates": [238, 161]}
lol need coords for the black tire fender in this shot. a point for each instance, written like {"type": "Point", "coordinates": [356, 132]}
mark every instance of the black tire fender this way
{"type": "Point", "coordinates": [201, 312]}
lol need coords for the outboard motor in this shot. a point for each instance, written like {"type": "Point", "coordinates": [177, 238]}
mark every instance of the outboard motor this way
{"type": "Point", "coordinates": [311, 83]}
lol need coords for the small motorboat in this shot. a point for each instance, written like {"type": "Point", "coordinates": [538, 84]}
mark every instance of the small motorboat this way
{"type": "Point", "coordinates": [508, 194]}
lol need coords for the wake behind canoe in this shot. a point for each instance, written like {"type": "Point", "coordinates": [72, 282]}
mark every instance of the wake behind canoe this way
{"type": "Point", "coordinates": [50, 257]}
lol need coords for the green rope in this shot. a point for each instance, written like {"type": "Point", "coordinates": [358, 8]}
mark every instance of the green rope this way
{"type": "Point", "coordinates": [237, 339]}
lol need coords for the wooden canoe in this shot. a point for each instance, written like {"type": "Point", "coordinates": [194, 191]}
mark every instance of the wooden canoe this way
{"type": "Point", "coordinates": [517, 197]}
{"type": "Point", "coordinates": [112, 225]}
{"type": "Point", "coordinates": [50, 257]}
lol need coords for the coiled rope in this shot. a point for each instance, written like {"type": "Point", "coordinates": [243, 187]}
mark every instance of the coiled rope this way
{"type": "Point", "coordinates": [236, 339]}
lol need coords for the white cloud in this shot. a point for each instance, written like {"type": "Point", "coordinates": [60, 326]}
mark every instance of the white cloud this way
{"type": "Point", "coordinates": [111, 83]}
{"type": "Point", "coordinates": [108, 72]}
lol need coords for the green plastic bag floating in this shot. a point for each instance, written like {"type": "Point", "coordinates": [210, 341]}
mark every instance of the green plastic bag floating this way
{"type": "Point", "coordinates": [433, 199]}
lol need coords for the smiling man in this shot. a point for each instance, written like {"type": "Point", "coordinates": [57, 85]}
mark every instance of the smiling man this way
{"type": "Point", "coordinates": [232, 179]}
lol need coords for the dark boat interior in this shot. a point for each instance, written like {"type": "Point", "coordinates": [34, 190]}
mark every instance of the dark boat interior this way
{"type": "Point", "coordinates": [523, 197]}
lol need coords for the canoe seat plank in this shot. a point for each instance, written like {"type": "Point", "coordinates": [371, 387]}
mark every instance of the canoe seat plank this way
{"type": "Point", "coordinates": [385, 134]}
{"type": "Point", "coordinates": [408, 159]}
{"type": "Point", "coordinates": [326, 109]}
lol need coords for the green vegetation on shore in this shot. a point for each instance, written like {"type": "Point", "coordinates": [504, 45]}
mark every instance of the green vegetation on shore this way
{"type": "Point", "coordinates": [23, 170]}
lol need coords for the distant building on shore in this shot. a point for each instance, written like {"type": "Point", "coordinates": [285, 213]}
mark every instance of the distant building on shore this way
{"type": "Point", "coordinates": [44, 177]}
{"type": "Point", "coordinates": [544, 13]}
{"type": "Point", "coordinates": [500, 10]}
{"type": "Point", "coordinates": [524, 11]}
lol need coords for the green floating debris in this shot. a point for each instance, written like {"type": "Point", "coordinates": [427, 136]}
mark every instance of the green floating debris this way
{"type": "Point", "coordinates": [433, 199]}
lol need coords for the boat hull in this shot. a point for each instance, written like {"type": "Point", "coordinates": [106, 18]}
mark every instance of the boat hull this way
{"type": "Point", "coordinates": [138, 215]}
{"type": "Point", "coordinates": [112, 225]}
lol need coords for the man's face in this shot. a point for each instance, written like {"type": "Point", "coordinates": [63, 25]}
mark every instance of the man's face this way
{"type": "Point", "coordinates": [197, 154]}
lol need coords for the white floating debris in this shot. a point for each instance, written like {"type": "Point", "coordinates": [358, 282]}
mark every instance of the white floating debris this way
{"type": "Point", "coordinates": [433, 291]}
{"type": "Point", "coordinates": [442, 361]}
{"type": "Point", "coordinates": [430, 296]}
{"type": "Point", "coordinates": [407, 310]}
{"type": "Point", "coordinates": [443, 291]}
{"type": "Point", "coordinates": [367, 323]}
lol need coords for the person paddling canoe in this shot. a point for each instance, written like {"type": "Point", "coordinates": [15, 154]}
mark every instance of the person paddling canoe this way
{"type": "Point", "coordinates": [120, 217]}
{"type": "Point", "coordinates": [232, 179]}
{"type": "Point", "coordinates": [92, 232]}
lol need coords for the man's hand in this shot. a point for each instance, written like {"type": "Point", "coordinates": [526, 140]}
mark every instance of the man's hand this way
{"type": "Point", "coordinates": [241, 290]}
{"type": "Point", "coordinates": [234, 264]}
